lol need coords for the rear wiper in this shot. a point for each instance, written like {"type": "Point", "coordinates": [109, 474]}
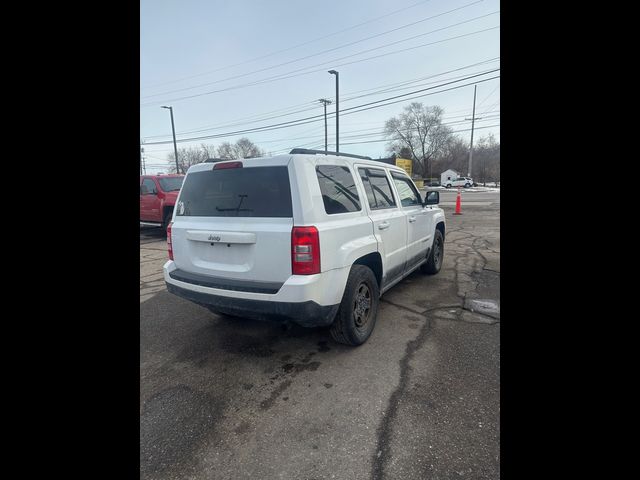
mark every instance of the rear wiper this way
{"type": "Point", "coordinates": [237, 209]}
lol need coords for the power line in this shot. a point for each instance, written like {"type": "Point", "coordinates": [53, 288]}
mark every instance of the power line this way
{"type": "Point", "coordinates": [492, 91]}
{"type": "Point", "coordinates": [347, 111]}
{"type": "Point", "coordinates": [387, 140]}
{"type": "Point", "coordinates": [291, 48]}
{"type": "Point", "coordinates": [492, 105]}
{"type": "Point", "coordinates": [285, 76]}
{"type": "Point", "coordinates": [360, 134]}
{"type": "Point", "coordinates": [337, 48]}
{"type": "Point", "coordinates": [240, 123]}
{"type": "Point", "coordinates": [380, 89]}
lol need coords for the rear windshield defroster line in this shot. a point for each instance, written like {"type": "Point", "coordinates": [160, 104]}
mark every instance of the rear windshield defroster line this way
{"type": "Point", "coordinates": [237, 192]}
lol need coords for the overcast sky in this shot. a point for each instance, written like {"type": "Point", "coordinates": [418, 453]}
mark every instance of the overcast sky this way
{"type": "Point", "coordinates": [202, 57]}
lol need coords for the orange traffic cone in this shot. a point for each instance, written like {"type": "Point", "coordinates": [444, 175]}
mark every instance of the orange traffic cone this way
{"type": "Point", "coordinates": [458, 207]}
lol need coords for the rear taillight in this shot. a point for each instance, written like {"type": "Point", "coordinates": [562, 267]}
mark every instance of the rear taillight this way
{"type": "Point", "coordinates": [169, 246]}
{"type": "Point", "coordinates": [305, 251]}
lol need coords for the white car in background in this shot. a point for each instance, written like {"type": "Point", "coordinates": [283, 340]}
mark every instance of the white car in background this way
{"type": "Point", "coordinates": [465, 182]}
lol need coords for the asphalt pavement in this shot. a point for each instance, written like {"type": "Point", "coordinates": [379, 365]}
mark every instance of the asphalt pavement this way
{"type": "Point", "coordinates": [231, 398]}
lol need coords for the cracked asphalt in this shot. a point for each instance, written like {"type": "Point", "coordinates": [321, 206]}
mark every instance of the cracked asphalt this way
{"type": "Point", "coordinates": [230, 398]}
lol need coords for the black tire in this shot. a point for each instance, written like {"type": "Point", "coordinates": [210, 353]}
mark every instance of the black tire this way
{"type": "Point", "coordinates": [467, 185]}
{"type": "Point", "coordinates": [436, 256]}
{"type": "Point", "coordinates": [358, 310]}
{"type": "Point", "coordinates": [448, 185]}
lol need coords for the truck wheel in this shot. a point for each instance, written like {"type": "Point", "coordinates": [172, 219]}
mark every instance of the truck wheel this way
{"type": "Point", "coordinates": [436, 257]}
{"type": "Point", "coordinates": [358, 310]}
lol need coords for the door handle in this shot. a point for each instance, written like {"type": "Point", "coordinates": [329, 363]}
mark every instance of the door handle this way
{"type": "Point", "coordinates": [383, 225]}
{"type": "Point", "coordinates": [412, 219]}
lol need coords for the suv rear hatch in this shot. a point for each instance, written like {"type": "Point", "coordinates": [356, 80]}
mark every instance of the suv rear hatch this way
{"type": "Point", "coordinates": [232, 227]}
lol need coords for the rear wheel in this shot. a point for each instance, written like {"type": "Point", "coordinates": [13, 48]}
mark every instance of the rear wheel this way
{"type": "Point", "coordinates": [436, 256]}
{"type": "Point", "coordinates": [358, 310]}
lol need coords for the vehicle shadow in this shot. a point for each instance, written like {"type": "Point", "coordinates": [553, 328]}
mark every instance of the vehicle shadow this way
{"type": "Point", "coordinates": [196, 368]}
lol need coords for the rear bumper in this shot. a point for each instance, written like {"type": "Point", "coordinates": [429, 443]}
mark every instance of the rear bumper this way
{"type": "Point", "coordinates": [308, 300]}
{"type": "Point", "coordinates": [307, 314]}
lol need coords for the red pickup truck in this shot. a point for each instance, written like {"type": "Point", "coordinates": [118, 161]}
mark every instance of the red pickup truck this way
{"type": "Point", "coordinates": [158, 195]}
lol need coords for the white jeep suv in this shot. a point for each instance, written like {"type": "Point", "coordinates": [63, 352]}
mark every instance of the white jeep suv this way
{"type": "Point", "coordinates": [307, 237]}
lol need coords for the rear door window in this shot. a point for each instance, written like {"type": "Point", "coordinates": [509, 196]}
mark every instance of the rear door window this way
{"type": "Point", "coordinates": [237, 192]}
{"type": "Point", "coordinates": [338, 188]}
{"type": "Point", "coordinates": [378, 189]}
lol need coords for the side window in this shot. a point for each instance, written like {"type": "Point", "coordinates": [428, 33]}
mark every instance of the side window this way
{"type": "Point", "coordinates": [377, 187]}
{"type": "Point", "coordinates": [409, 195]}
{"type": "Point", "coordinates": [150, 184]}
{"type": "Point", "coordinates": [338, 188]}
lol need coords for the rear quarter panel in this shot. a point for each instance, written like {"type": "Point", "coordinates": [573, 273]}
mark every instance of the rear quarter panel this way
{"type": "Point", "coordinates": [344, 237]}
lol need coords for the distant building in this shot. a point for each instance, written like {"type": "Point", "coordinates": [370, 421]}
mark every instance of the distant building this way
{"type": "Point", "coordinates": [448, 175]}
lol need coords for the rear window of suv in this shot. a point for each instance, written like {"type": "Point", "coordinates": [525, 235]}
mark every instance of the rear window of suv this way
{"type": "Point", "coordinates": [237, 192]}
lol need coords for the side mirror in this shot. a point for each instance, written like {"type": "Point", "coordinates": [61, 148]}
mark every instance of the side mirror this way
{"type": "Point", "coordinates": [431, 198]}
{"type": "Point", "coordinates": [143, 190]}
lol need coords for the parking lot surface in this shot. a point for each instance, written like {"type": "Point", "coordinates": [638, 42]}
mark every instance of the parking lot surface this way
{"type": "Point", "coordinates": [230, 398]}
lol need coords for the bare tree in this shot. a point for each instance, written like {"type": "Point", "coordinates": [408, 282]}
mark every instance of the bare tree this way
{"type": "Point", "coordinates": [419, 129]}
{"type": "Point", "coordinates": [187, 157]}
{"type": "Point", "coordinates": [226, 151]}
{"type": "Point", "coordinates": [405, 152]}
{"type": "Point", "coordinates": [243, 148]}
{"type": "Point", "coordinates": [486, 158]}
{"type": "Point", "coordinates": [208, 150]}
{"type": "Point", "coordinates": [454, 155]}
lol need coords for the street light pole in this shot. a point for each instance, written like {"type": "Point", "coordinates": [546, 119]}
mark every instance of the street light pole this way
{"type": "Point", "coordinates": [473, 120]}
{"type": "Point", "coordinates": [175, 145]}
{"type": "Point", "coordinates": [325, 102]}
{"type": "Point", "coordinates": [334, 72]}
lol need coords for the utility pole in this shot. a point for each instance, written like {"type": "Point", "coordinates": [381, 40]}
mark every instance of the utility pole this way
{"type": "Point", "coordinates": [325, 102]}
{"type": "Point", "coordinates": [473, 121]}
{"type": "Point", "coordinates": [334, 72]}
{"type": "Point", "coordinates": [141, 150]}
{"type": "Point", "coordinates": [175, 145]}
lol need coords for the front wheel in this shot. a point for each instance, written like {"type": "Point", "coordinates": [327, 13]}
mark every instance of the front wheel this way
{"type": "Point", "coordinates": [358, 310]}
{"type": "Point", "coordinates": [467, 185]}
{"type": "Point", "coordinates": [448, 185]}
{"type": "Point", "coordinates": [436, 256]}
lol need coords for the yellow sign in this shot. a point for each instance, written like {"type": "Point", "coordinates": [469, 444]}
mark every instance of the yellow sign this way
{"type": "Point", "coordinates": [404, 164]}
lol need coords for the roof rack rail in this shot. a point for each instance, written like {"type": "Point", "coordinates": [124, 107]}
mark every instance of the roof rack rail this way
{"type": "Point", "coordinates": [211, 160]}
{"type": "Point", "coordinates": [322, 152]}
